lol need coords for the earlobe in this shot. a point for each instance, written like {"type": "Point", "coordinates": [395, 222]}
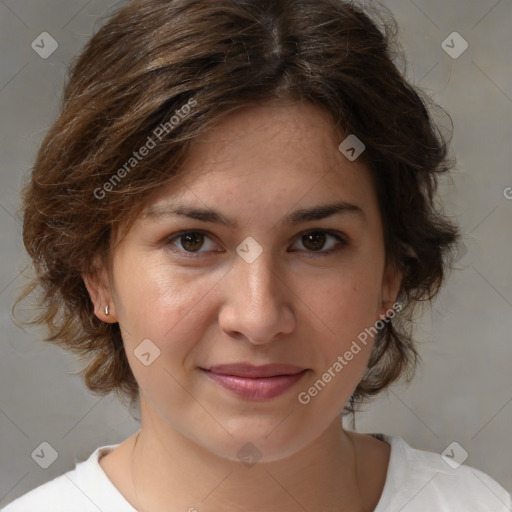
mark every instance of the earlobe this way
{"type": "Point", "coordinates": [97, 285]}
{"type": "Point", "coordinates": [391, 284]}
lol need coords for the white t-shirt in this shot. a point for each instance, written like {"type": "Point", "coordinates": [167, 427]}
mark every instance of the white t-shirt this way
{"type": "Point", "coordinates": [417, 481]}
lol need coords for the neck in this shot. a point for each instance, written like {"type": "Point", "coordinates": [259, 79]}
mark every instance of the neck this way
{"type": "Point", "coordinates": [170, 472]}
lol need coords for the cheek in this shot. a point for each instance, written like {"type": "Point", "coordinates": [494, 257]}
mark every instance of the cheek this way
{"type": "Point", "coordinates": [344, 310]}
{"type": "Point", "coordinates": [171, 311]}
{"type": "Point", "coordinates": [158, 302]}
{"type": "Point", "coordinates": [344, 305]}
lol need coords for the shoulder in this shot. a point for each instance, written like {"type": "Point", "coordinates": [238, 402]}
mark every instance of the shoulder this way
{"type": "Point", "coordinates": [85, 488]}
{"type": "Point", "coordinates": [420, 480]}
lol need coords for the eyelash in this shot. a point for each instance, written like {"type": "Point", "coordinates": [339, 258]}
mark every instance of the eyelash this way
{"type": "Point", "coordinates": [320, 253]}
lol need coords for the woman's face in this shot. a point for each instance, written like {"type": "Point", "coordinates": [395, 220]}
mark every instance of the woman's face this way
{"type": "Point", "coordinates": [254, 267]}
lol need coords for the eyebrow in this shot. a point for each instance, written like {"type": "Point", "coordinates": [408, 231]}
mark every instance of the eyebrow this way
{"type": "Point", "coordinates": [297, 217]}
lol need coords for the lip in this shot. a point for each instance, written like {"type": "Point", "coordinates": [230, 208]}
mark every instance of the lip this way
{"type": "Point", "coordinates": [255, 382]}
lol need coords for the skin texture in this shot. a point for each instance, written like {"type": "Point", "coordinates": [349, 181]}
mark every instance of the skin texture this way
{"type": "Point", "coordinates": [291, 305]}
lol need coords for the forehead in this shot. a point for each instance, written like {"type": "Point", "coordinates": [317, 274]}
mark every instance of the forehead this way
{"type": "Point", "coordinates": [288, 152]}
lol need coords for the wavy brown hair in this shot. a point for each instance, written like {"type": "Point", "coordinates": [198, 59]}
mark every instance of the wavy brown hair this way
{"type": "Point", "coordinates": [148, 61]}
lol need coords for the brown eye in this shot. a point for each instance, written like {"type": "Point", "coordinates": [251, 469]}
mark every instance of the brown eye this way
{"type": "Point", "coordinates": [192, 241]}
{"type": "Point", "coordinates": [192, 244]}
{"type": "Point", "coordinates": [314, 241]}
{"type": "Point", "coordinates": [322, 242]}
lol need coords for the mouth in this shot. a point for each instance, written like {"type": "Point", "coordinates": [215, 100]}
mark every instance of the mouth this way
{"type": "Point", "coordinates": [255, 383]}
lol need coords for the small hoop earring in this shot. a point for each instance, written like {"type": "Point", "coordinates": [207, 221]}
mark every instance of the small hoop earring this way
{"type": "Point", "coordinates": [106, 310]}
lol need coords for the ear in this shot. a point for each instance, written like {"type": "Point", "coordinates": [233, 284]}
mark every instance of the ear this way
{"type": "Point", "coordinates": [98, 286]}
{"type": "Point", "coordinates": [391, 283]}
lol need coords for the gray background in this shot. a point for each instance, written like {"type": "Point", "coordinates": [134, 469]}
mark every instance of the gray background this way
{"type": "Point", "coordinates": [462, 393]}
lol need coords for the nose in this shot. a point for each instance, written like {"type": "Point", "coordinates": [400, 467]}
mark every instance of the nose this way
{"type": "Point", "coordinates": [257, 303]}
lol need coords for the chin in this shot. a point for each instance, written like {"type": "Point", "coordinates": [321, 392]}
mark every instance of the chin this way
{"type": "Point", "coordinates": [250, 444]}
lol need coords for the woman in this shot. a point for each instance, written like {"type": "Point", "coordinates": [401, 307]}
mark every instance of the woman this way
{"type": "Point", "coordinates": [233, 221]}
